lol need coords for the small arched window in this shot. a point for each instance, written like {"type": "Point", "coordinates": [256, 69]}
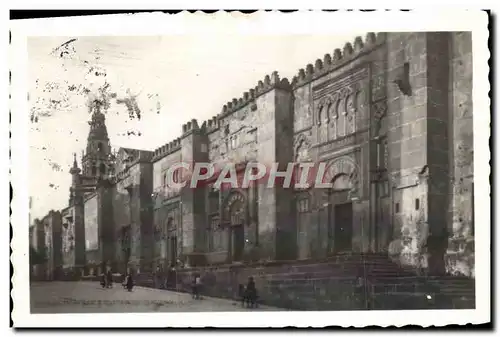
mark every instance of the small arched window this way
{"type": "Point", "coordinates": [99, 147]}
{"type": "Point", "coordinates": [102, 168]}
{"type": "Point", "coordinates": [94, 170]}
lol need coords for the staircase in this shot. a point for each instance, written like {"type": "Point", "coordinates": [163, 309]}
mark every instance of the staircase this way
{"type": "Point", "coordinates": [342, 282]}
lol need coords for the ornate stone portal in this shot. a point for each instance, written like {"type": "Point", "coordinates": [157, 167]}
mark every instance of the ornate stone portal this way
{"type": "Point", "coordinates": [343, 173]}
{"type": "Point", "coordinates": [337, 201]}
{"type": "Point", "coordinates": [235, 218]}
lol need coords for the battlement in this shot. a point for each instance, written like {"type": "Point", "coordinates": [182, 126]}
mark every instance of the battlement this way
{"type": "Point", "coordinates": [338, 58]}
{"type": "Point", "coordinates": [212, 124]}
{"type": "Point", "coordinates": [167, 149]}
{"type": "Point", "coordinates": [190, 126]}
{"type": "Point", "coordinates": [270, 82]}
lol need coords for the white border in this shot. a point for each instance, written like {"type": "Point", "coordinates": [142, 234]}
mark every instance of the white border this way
{"type": "Point", "coordinates": [260, 23]}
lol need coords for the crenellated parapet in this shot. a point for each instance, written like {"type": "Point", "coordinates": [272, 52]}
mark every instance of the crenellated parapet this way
{"type": "Point", "coordinates": [212, 124]}
{"type": "Point", "coordinates": [167, 149]}
{"type": "Point", "coordinates": [190, 127]}
{"type": "Point", "coordinates": [339, 57]}
{"type": "Point", "coordinates": [269, 83]}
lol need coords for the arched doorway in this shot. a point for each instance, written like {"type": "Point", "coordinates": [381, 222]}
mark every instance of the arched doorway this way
{"type": "Point", "coordinates": [343, 174]}
{"type": "Point", "coordinates": [340, 214]}
{"type": "Point", "coordinates": [171, 240]}
{"type": "Point", "coordinates": [236, 216]}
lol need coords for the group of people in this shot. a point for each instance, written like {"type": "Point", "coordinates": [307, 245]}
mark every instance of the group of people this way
{"type": "Point", "coordinates": [107, 280]}
{"type": "Point", "coordinates": [247, 294]}
{"type": "Point", "coordinates": [165, 280]}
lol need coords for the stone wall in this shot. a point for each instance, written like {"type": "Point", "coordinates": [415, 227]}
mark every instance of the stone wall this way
{"type": "Point", "coordinates": [133, 206]}
{"type": "Point", "coordinates": [430, 126]}
{"type": "Point", "coordinates": [68, 238]}
{"type": "Point", "coordinates": [337, 283]}
{"type": "Point", "coordinates": [460, 253]}
{"type": "Point", "coordinates": [166, 202]}
{"type": "Point", "coordinates": [91, 210]}
{"type": "Point", "coordinates": [79, 219]}
{"type": "Point", "coordinates": [50, 240]}
{"type": "Point", "coordinates": [146, 215]}
{"type": "Point", "coordinates": [106, 223]}
{"type": "Point", "coordinates": [332, 113]}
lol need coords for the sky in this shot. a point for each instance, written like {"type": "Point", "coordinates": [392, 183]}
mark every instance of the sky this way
{"type": "Point", "coordinates": [173, 78]}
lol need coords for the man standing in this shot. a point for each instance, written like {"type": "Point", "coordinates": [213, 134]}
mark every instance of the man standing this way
{"type": "Point", "coordinates": [157, 277]}
{"type": "Point", "coordinates": [109, 278]}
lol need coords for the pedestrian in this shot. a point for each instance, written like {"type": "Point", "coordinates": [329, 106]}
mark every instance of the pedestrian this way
{"type": "Point", "coordinates": [130, 281]}
{"type": "Point", "coordinates": [251, 293]}
{"type": "Point", "coordinates": [170, 281]}
{"type": "Point", "coordinates": [157, 278]}
{"type": "Point", "coordinates": [196, 283]}
{"type": "Point", "coordinates": [103, 280]}
{"type": "Point", "coordinates": [109, 278]}
{"type": "Point", "coordinates": [242, 294]}
{"type": "Point", "coordinates": [198, 286]}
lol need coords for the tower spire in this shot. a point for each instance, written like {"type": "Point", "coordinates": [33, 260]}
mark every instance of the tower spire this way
{"type": "Point", "coordinates": [75, 170]}
{"type": "Point", "coordinates": [75, 163]}
{"type": "Point", "coordinates": [97, 161]}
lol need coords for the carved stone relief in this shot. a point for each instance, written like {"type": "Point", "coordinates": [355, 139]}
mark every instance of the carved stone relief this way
{"type": "Point", "coordinates": [336, 113]}
{"type": "Point", "coordinates": [234, 209]}
{"type": "Point", "coordinates": [350, 114]}
{"type": "Point", "coordinates": [302, 146]}
{"type": "Point", "coordinates": [333, 116]}
{"type": "Point", "coordinates": [378, 87]}
{"type": "Point", "coordinates": [343, 165]}
{"type": "Point", "coordinates": [379, 112]}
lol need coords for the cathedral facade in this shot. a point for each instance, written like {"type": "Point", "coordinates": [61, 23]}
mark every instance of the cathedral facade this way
{"type": "Point", "coordinates": [390, 115]}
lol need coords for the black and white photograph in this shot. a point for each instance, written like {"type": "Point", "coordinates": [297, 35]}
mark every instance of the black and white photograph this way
{"type": "Point", "coordinates": [311, 168]}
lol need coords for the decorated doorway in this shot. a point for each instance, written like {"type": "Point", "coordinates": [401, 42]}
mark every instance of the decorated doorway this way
{"type": "Point", "coordinates": [343, 175]}
{"type": "Point", "coordinates": [236, 216]}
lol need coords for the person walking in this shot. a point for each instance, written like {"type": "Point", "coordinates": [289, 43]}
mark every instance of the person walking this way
{"type": "Point", "coordinates": [251, 293]}
{"type": "Point", "coordinates": [196, 286]}
{"type": "Point", "coordinates": [130, 281]}
{"type": "Point", "coordinates": [157, 278]}
{"type": "Point", "coordinates": [103, 280]}
{"type": "Point", "coordinates": [109, 279]}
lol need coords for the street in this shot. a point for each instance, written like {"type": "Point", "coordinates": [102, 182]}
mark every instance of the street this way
{"type": "Point", "coordinates": [90, 297]}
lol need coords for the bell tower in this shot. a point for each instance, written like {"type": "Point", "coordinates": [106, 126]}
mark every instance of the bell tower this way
{"type": "Point", "coordinates": [97, 161]}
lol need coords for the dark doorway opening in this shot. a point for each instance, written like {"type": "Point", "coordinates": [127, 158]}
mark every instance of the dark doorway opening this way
{"type": "Point", "coordinates": [238, 242]}
{"type": "Point", "coordinates": [173, 249]}
{"type": "Point", "coordinates": [343, 228]}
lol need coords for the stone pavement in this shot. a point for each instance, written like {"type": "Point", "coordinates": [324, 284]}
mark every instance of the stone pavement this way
{"type": "Point", "coordinates": [90, 297]}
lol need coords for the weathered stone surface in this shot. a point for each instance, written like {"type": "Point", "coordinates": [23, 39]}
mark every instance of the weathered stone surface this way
{"type": "Point", "coordinates": [399, 106]}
